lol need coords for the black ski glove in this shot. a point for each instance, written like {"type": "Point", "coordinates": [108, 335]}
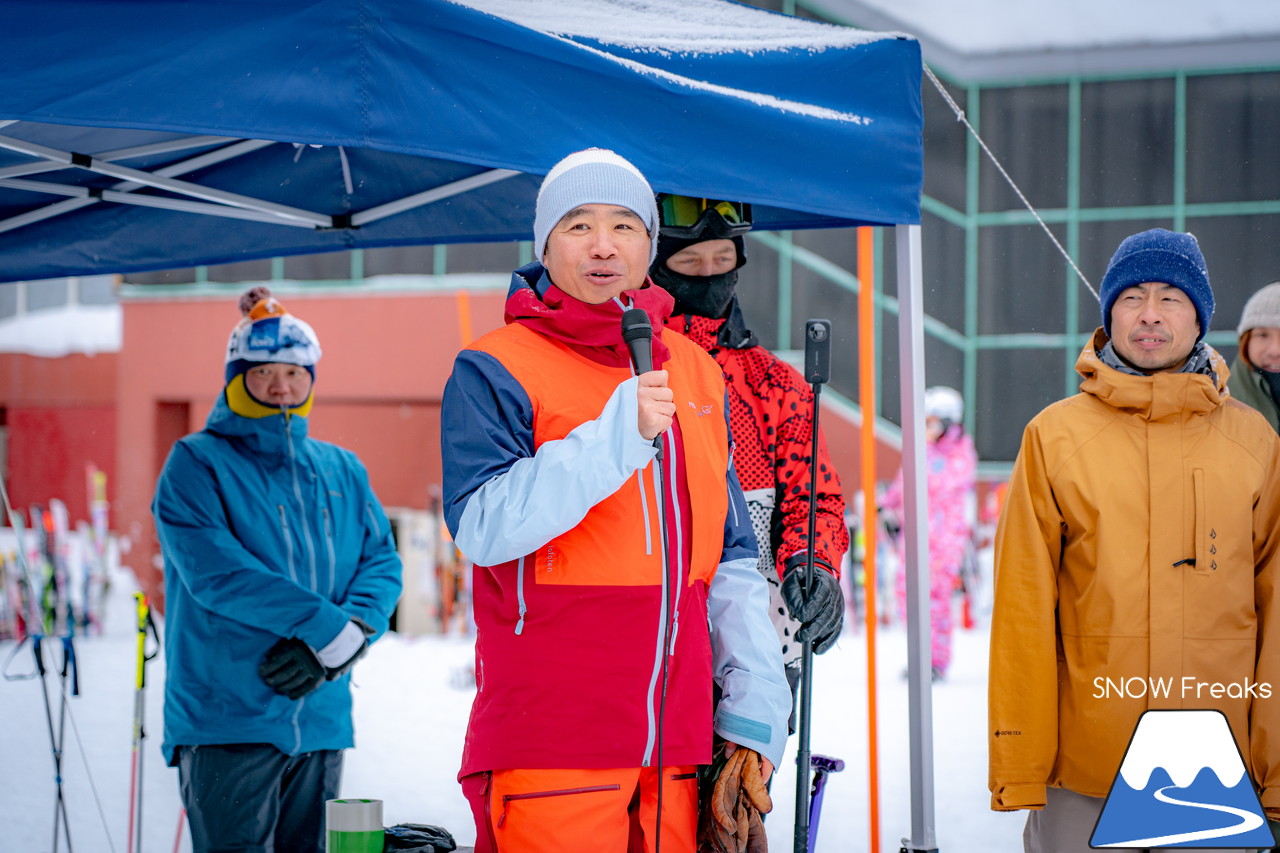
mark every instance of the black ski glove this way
{"type": "Point", "coordinates": [291, 668]}
{"type": "Point", "coordinates": [821, 611]}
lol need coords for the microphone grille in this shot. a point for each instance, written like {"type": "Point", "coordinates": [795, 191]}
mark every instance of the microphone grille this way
{"type": "Point", "coordinates": [635, 325]}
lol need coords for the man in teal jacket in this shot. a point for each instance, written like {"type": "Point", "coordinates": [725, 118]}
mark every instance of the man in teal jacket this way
{"type": "Point", "coordinates": [279, 570]}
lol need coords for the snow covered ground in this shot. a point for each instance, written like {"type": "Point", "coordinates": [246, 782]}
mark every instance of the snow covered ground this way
{"type": "Point", "coordinates": [411, 709]}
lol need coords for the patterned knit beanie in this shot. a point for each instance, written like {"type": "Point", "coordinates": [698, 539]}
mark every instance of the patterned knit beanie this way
{"type": "Point", "coordinates": [1262, 310]}
{"type": "Point", "coordinates": [267, 334]}
{"type": "Point", "coordinates": [1170, 257]}
{"type": "Point", "coordinates": [593, 176]}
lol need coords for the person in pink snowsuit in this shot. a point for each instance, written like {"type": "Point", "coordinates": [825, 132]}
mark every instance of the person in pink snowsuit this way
{"type": "Point", "coordinates": [950, 462]}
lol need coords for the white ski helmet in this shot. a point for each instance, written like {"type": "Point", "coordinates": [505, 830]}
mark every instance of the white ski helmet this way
{"type": "Point", "coordinates": [943, 403]}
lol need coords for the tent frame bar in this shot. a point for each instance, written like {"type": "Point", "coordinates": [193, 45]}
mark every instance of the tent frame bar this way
{"type": "Point", "coordinates": [122, 154]}
{"type": "Point", "coordinates": [200, 161]}
{"type": "Point", "coordinates": [426, 197]}
{"type": "Point", "coordinates": [215, 202]}
{"type": "Point", "coordinates": [286, 214]}
{"type": "Point", "coordinates": [915, 534]}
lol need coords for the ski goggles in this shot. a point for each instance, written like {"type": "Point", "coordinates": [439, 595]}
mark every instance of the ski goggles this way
{"type": "Point", "coordinates": [688, 217]}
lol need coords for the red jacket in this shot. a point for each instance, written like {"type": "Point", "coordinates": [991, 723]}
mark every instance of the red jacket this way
{"type": "Point", "coordinates": [571, 614]}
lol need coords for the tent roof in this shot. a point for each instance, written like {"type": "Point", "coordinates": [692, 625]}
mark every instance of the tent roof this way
{"type": "Point", "coordinates": [308, 121]}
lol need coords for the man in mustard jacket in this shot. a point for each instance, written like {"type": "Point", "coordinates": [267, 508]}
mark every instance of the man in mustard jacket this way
{"type": "Point", "coordinates": [1139, 544]}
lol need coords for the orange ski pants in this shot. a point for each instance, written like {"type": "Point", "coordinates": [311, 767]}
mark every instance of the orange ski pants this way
{"type": "Point", "coordinates": [583, 811]}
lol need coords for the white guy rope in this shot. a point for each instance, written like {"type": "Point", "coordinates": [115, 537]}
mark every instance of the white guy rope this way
{"type": "Point", "coordinates": [960, 116]}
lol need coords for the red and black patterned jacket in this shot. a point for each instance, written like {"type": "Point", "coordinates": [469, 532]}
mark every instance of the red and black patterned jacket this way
{"type": "Point", "coordinates": [771, 417]}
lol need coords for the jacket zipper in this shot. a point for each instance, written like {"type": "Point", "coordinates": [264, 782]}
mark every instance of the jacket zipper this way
{"type": "Point", "coordinates": [293, 575]}
{"type": "Point", "coordinates": [520, 597]}
{"type": "Point", "coordinates": [733, 507]}
{"type": "Point", "coordinates": [288, 542]}
{"type": "Point", "coordinates": [644, 506]}
{"type": "Point", "coordinates": [677, 575]}
{"type": "Point", "coordinates": [333, 557]}
{"type": "Point", "coordinates": [507, 799]}
{"type": "Point", "coordinates": [307, 539]}
{"type": "Point", "coordinates": [488, 809]}
{"type": "Point", "coordinates": [664, 611]}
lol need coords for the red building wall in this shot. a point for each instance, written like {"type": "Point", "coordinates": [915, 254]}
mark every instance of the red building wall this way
{"type": "Point", "coordinates": [378, 387]}
{"type": "Point", "coordinates": [60, 414]}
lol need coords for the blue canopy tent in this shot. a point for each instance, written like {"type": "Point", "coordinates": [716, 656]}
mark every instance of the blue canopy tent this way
{"type": "Point", "coordinates": [433, 121]}
{"type": "Point", "coordinates": [137, 135]}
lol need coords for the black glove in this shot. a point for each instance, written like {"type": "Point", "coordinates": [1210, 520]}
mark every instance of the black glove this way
{"type": "Point", "coordinates": [291, 668]}
{"type": "Point", "coordinates": [417, 838]}
{"type": "Point", "coordinates": [821, 611]}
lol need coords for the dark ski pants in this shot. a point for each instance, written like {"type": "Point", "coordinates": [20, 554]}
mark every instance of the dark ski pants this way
{"type": "Point", "coordinates": [1066, 823]}
{"type": "Point", "coordinates": [252, 798]}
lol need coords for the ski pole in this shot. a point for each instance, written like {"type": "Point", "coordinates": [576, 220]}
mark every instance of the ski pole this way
{"type": "Point", "coordinates": [144, 624]}
{"type": "Point", "coordinates": [817, 369]}
{"type": "Point", "coordinates": [177, 835]}
{"type": "Point", "coordinates": [37, 636]}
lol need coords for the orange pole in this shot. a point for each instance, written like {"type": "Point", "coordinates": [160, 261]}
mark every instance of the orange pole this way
{"type": "Point", "coordinates": [867, 400]}
{"type": "Point", "coordinates": [465, 331]}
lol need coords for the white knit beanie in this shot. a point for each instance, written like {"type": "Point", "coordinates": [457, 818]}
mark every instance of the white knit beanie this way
{"type": "Point", "coordinates": [593, 176]}
{"type": "Point", "coordinates": [1262, 309]}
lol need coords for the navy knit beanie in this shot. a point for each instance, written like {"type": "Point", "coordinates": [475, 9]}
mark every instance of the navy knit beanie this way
{"type": "Point", "coordinates": [1170, 257]}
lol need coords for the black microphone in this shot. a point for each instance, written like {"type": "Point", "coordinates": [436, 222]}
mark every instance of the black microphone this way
{"type": "Point", "coordinates": [637, 334]}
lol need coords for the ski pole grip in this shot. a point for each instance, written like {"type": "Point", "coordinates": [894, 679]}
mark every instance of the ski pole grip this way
{"type": "Point", "coordinates": [140, 600]}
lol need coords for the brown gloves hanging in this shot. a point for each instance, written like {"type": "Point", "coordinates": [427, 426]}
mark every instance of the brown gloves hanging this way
{"type": "Point", "coordinates": [733, 797]}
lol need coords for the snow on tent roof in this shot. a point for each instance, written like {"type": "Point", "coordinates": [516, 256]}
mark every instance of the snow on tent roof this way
{"type": "Point", "coordinates": [677, 26]}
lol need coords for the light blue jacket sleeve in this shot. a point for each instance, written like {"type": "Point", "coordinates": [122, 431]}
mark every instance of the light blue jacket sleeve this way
{"type": "Point", "coordinates": [527, 500]}
{"type": "Point", "coordinates": [746, 656]}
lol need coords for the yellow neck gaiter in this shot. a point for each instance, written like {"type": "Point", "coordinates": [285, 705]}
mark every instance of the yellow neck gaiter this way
{"type": "Point", "coordinates": [240, 401]}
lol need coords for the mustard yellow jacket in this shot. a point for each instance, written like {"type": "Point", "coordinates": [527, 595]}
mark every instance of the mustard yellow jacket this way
{"type": "Point", "coordinates": [1136, 566]}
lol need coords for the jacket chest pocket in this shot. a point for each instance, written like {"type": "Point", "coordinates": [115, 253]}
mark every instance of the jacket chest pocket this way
{"type": "Point", "coordinates": [1204, 546]}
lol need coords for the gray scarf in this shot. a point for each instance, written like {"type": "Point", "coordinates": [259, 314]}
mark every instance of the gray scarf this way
{"type": "Point", "coordinates": [1197, 362]}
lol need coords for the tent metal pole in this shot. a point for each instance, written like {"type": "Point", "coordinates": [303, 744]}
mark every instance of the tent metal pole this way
{"type": "Point", "coordinates": [239, 149]}
{"type": "Point", "coordinates": [915, 537]}
{"type": "Point", "coordinates": [122, 154]}
{"type": "Point", "coordinates": [143, 201]}
{"type": "Point", "coordinates": [426, 197]}
{"type": "Point", "coordinates": [83, 161]}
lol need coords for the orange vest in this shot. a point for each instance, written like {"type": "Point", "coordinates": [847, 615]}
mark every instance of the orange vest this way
{"type": "Point", "coordinates": [611, 546]}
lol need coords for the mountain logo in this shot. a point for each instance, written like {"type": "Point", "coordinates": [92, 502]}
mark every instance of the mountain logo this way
{"type": "Point", "coordinates": [1182, 784]}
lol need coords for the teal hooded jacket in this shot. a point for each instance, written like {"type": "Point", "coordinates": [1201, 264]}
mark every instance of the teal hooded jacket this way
{"type": "Point", "coordinates": [266, 534]}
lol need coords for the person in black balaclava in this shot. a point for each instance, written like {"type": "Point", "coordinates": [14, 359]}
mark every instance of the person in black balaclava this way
{"type": "Point", "coordinates": [700, 250]}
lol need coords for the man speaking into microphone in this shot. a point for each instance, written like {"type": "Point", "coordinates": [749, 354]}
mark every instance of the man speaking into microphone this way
{"type": "Point", "coordinates": [615, 565]}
